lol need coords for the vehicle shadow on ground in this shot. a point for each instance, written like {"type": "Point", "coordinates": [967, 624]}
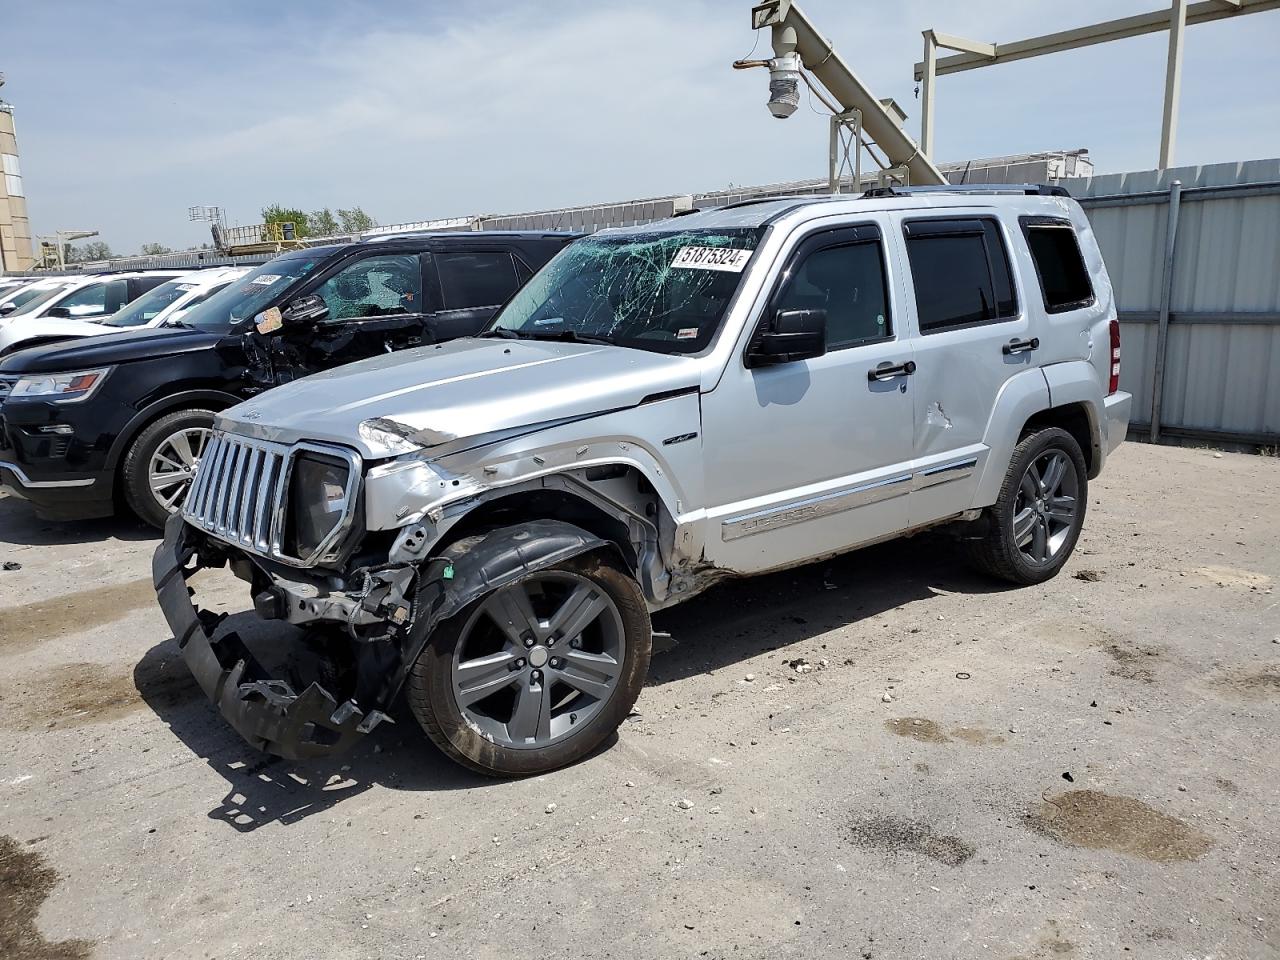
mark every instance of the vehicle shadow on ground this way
{"type": "Point", "coordinates": [20, 527]}
{"type": "Point", "coordinates": [263, 789]}
{"type": "Point", "coordinates": [742, 618]}
{"type": "Point", "coordinates": [733, 622]}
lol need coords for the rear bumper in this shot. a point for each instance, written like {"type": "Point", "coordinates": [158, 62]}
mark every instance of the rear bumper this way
{"type": "Point", "coordinates": [265, 711]}
{"type": "Point", "coordinates": [1118, 407]}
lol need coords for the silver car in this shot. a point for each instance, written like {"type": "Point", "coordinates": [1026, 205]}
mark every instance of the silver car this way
{"type": "Point", "coordinates": [486, 525]}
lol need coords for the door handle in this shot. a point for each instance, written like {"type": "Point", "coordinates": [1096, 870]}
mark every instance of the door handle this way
{"type": "Point", "coordinates": [1020, 346]}
{"type": "Point", "coordinates": [887, 371]}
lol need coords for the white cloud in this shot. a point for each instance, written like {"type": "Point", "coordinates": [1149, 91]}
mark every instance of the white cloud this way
{"type": "Point", "coordinates": [509, 108]}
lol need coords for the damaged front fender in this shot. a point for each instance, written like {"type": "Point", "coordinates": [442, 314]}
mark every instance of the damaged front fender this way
{"type": "Point", "coordinates": [274, 717]}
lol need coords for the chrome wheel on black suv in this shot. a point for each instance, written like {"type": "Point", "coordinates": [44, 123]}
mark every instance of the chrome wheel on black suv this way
{"type": "Point", "coordinates": [1034, 525]}
{"type": "Point", "coordinates": [536, 674]}
{"type": "Point", "coordinates": [161, 462]}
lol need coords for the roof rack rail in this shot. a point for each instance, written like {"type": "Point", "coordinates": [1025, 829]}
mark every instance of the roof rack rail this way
{"type": "Point", "coordinates": [803, 197]}
{"type": "Point", "coordinates": [1026, 189]}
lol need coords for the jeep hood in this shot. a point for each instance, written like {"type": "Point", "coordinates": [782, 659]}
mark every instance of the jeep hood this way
{"type": "Point", "coordinates": [106, 350]}
{"type": "Point", "coordinates": [458, 391]}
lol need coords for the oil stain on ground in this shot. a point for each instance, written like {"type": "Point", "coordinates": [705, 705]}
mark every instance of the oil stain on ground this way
{"type": "Point", "coordinates": [1132, 661]}
{"type": "Point", "coordinates": [897, 835]}
{"type": "Point", "coordinates": [917, 728]}
{"type": "Point", "coordinates": [31, 624]}
{"type": "Point", "coordinates": [1100, 821]}
{"type": "Point", "coordinates": [1261, 684]}
{"type": "Point", "coordinates": [25, 883]}
{"type": "Point", "coordinates": [927, 731]}
{"type": "Point", "coordinates": [75, 694]}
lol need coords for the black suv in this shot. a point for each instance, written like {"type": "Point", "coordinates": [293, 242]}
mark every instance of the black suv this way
{"type": "Point", "coordinates": [126, 416]}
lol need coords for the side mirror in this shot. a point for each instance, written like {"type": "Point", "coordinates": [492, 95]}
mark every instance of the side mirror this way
{"type": "Point", "coordinates": [7, 309]}
{"type": "Point", "coordinates": [302, 313]}
{"type": "Point", "coordinates": [59, 313]}
{"type": "Point", "coordinates": [305, 312]}
{"type": "Point", "coordinates": [793, 335]}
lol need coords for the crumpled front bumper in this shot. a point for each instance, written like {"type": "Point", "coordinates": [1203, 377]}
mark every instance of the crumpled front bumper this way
{"type": "Point", "coordinates": [265, 711]}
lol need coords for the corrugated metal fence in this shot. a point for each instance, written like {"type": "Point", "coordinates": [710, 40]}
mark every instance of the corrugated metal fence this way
{"type": "Point", "coordinates": [1200, 315]}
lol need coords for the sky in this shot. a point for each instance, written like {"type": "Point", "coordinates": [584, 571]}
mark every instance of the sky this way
{"type": "Point", "coordinates": [130, 112]}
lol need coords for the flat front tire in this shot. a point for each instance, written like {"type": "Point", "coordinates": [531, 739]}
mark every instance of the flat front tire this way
{"type": "Point", "coordinates": [536, 674]}
{"type": "Point", "coordinates": [1035, 523]}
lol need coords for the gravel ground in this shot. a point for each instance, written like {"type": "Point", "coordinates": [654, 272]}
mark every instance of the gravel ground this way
{"type": "Point", "coordinates": [879, 756]}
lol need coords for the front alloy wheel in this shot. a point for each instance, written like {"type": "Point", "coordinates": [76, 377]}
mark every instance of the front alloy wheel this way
{"type": "Point", "coordinates": [536, 674]}
{"type": "Point", "coordinates": [161, 461]}
{"type": "Point", "coordinates": [173, 466]}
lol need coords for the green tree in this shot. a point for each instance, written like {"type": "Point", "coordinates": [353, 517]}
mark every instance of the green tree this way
{"type": "Point", "coordinates": [278, 214]}
{"type": "Point", "coordinates": [356, 220]}
{"type": "Point", "coordinates": [154, 249]}
{"type": "Point", "coordinates": [85, 252]}
{"type": "Point", "coordinates": [322, 223]}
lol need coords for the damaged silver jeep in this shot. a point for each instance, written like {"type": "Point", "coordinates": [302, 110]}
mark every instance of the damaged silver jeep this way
{"type": "Point", "coordinates": [487, 524]}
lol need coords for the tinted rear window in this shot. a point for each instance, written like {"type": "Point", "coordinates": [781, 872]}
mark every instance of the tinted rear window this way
{"type": "Point", "coordinates": [475, 279]}
{"type": "Point", "coordinates": [961, 273]}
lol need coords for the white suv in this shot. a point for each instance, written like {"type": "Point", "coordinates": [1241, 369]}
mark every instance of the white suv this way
{"type": "Point", "coordinates": [80, 302]}
{"type": "Point", "coordinates": [488, 523]}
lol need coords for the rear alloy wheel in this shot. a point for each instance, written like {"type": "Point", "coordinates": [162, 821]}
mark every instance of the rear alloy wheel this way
{"type": "Point", "coordinates": [162, 461]}
{"type": "Point", "coordinates": [536, 674]}
{"type": "Point", "coordinates": [1035, 523]}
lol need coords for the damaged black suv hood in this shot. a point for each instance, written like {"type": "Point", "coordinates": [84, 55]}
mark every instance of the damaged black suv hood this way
{"type": "Point", "coordinates": [109, 350]}
{"type": "Point", "coordinates": [432, 396]}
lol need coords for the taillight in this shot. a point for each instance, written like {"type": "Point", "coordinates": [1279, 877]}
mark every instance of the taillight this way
{"type": "Point", "coordinates": [1114, 384]}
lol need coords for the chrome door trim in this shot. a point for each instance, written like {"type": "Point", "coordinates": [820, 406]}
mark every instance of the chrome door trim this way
{"type": "Point", "coordinates": [813, 508]}
{"type": "Point", "coordinates": [944, 473]}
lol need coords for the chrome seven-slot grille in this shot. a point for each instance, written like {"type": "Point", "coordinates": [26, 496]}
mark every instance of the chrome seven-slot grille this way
{"type": "Point", "coordinates": [239, 492]}
{"type": "Point", "coordinates": [6, 386]}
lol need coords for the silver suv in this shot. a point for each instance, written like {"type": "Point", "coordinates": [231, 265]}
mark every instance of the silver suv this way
{"type": "Point", "coordinates": [488, 523]}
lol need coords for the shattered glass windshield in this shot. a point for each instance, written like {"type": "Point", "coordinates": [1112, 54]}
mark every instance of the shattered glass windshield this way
{"type": "Point", "coordinates": [253, 292]}
{"type": "Point", "coordinates": [665, 292]}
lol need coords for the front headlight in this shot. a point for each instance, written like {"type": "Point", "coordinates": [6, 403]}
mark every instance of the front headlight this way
{"type": "Point", "coordinates": [318, 499]}
{"type": "Point", "coordinates": [60, 386]}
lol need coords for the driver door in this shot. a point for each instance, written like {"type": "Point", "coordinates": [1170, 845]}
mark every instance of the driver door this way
{"type": "Point", "coordinates": [375, 306]}
{"type": "Point", "coordinates": [813, 457]}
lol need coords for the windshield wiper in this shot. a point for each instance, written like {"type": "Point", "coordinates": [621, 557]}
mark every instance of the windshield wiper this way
{"type": "Point", "coordinates": [566, 336]}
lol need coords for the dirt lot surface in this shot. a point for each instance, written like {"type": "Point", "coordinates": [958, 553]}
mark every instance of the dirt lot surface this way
{"type": "Point", "coordinates": [879, 756]}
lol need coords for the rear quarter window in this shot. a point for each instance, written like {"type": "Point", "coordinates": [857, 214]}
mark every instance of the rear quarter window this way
{"type": "Point", "coordinates": [1055, 250]}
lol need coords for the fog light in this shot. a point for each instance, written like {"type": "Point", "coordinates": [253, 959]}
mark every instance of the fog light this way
{"type": "Point", "coordinates": [61, 429]}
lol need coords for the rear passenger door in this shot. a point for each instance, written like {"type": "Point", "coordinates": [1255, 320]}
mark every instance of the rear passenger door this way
{"type": "Point", "coordinates": [972, 337]}
{"type": "Point", "coordinates": [471, 284]}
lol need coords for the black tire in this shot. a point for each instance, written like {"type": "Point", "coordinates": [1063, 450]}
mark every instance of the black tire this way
{"type": "Point", "coordinates": [134, 471]}
{"type": "Point", "coordinates": [431, 696]}
{"type": "Point", "coordinates": [997, 552]}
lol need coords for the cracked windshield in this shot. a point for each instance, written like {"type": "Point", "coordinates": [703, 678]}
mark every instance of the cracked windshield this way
{"type": "Point", "coordinates": [664, 292]}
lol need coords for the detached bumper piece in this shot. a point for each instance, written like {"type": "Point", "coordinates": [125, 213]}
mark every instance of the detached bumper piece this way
{"type": "Point", "coordinates": [265, 711]}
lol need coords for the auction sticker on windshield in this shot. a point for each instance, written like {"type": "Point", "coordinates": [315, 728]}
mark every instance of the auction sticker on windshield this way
{"type": "Point", "coordinates": [266, 279]}
{"type": "Point", "coordinates": [729, 259]}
